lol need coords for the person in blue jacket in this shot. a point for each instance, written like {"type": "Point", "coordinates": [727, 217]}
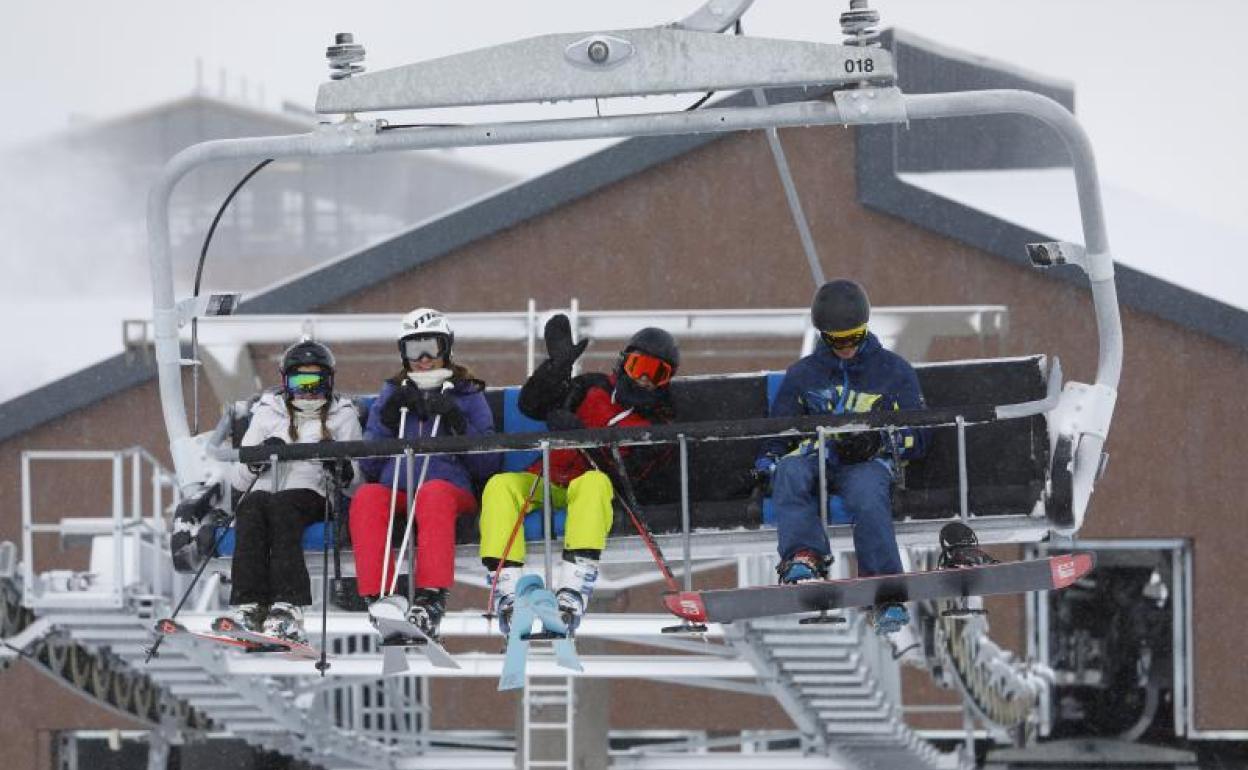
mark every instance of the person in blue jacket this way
{"type": "Point", "coordinates": [850, 371]}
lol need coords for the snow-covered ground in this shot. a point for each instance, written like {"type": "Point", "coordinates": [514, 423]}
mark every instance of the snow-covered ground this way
{"type": "Point", "coordinates": [1185, 249]}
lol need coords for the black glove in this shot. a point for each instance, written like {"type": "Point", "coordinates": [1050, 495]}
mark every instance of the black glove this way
{"type": "Point", "coordinates": [405, 395]}
{"type": "Point", "coordinates": [858, 447]}
{"type": "Point", "coordinates": [559, 347]}
{"type": "Point", "coordinates": [453, 420]}
{"type": "Point", "coordinates": [563, 419]}
{"type": "Point", "coordinates": [262, 466]}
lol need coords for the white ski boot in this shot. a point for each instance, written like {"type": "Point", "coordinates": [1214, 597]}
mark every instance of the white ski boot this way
{"type": "Point", "coordinates": [249, 617]}
{"type": "Point", "coordinates": [575, 585]}
{"type": "Point", "coordinates": [393, 607]}
{"type": "Point", "coordinates": [504, 595]}
{"type": "Point", "coordinates": [285, 621]}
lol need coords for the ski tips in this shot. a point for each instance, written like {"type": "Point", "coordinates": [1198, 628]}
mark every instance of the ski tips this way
{"type": "Point", "coordinates": [1068, 568]}
{"type": "Point", "coordinates": [685, 604]}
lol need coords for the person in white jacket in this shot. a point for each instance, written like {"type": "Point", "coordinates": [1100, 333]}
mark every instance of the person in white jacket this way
{"type": "Point", "coordinates": [269, 575]}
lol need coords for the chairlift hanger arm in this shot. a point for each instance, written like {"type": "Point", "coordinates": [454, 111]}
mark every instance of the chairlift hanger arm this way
{"type": "Point", "coordinates": [715, 16]}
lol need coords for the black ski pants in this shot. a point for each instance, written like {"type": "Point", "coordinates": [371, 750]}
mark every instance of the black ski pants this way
{"type": "Point", "coordinates": [268, 547]}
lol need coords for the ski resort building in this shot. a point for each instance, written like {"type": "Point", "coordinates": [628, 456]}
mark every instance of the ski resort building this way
{"type": "Point", "coordinates": [677, 230]}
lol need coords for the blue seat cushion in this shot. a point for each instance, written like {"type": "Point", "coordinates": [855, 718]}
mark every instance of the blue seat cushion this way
{"type": "Point", "coordinates": [313, 538]}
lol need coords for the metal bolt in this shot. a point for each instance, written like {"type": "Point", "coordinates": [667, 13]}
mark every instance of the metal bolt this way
{"type": "Point", "coordinates": [598, 52]}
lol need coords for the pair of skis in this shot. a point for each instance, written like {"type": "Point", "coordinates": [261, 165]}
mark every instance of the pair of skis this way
{"type": "Point", "coordinates": [535, 603]}
{"type": "Point", "coordinates": [225, 631]}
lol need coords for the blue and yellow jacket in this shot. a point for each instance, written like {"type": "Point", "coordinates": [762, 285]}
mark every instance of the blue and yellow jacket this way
{"type": "Point", "coordinates": [873, 379]}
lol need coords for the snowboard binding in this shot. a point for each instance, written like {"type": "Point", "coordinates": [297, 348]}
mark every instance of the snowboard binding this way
{"type": "Point", "coordinates": [959, 547]}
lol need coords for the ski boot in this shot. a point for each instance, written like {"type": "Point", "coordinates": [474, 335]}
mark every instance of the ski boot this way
{"type": "Point", "coordinates": [575, 585]}
{"type": "Point", "coordinates": [285, 621]}
{"type": "Point", "coordinates": [805, 565]}
{"type": "Point", "coordinates": [889, 618]}
{"type": "Point", "coordinates": [427, 610]}
{"type": "Point", "coordinates": [959, 547]}
{"type": "Point", "coordinates": [249, 617]}
{"type": "Point", "coordinates": [392, 607]}
{"type": "Point", "coordinates": [504, 596]}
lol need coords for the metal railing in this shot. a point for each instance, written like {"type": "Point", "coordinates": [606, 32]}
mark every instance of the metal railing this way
{"type": "Point", "coordinates": [135, 522]}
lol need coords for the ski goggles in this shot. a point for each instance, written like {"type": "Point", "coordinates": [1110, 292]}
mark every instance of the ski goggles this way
{"type": "Point", "coordinates": [429, 346]}
{"type": "Point", "coordinates": [638, 365]}
{"type": "Point", "coordinates": [846, 340]}
{"type": "Point", "coordinates": [308, 383]}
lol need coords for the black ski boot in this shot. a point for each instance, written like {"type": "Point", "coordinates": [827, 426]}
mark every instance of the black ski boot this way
{"type": "Point", "coordinates": [959, 547]}
{"type": "Point", "coordinates": [427, 610]}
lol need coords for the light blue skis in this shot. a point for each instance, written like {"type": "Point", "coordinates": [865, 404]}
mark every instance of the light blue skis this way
{"type": "Point", "coordinates": [535, 603]}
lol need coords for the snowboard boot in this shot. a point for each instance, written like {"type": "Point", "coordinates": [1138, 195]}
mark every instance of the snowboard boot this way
{"type": "Point", "coordinates": [392, 607]}
{"type": "Point", "coordinates": [575, 585]}
{"type": "Point", "coordinates": [804, 566]}
{"type": "Point", "coordinates": [248, 617]}
{"type": "Point", "coordinates": [889, 618]}
{"type": "Point", "coordinates": [285, 621]}
{"type": "Point", "coordinates": [959, 547]}
{"type": "Point", "coordinates": [504, 592]}
{"type": "Point", "coordinates": [427, 610]}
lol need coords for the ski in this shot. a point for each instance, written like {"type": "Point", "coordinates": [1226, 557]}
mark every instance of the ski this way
{"type": "Point", "coordinates": [535, 603]}
{"type": "Point", "coordinates": [398, 635]}
{"type": "Point", "coordinates": [171, 627]}
{"type": "Point", "coordinates": [728, 605]}
{"type": "Point", "coordinates": [263, 642]}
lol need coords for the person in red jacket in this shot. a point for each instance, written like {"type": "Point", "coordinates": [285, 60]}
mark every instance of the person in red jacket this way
{"type": "Point", "coordinates": [636, 393]}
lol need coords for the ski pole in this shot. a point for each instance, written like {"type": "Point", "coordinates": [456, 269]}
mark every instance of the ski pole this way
{"type": "Point", "coordinates": [394, 498]}
{"type": "Point", "coordinates": [331, 493]}
{"type": "Point", "coordinates": [212, 552]}
{"type": "Point", "coordinates": [629, 503]}
{"type": "Point", "coordinates": [498, 570]}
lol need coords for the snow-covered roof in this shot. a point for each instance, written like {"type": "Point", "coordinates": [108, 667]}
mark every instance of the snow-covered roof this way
{"type": "Point", "coordinates": [1179, 247]}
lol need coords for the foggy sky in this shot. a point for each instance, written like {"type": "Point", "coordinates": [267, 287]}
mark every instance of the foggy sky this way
{"type": "Point", "coordinates": [1157, 82]}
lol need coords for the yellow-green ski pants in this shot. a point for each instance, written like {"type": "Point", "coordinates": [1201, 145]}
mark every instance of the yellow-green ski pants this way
{"type": "Point", "coordinates": [587, 500]}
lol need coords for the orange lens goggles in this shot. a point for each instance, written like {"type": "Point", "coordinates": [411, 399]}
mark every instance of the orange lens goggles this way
{"type": "Point", "coordinates": [638, 365]}
{"type": "Point", "coordinates": [846, 339]}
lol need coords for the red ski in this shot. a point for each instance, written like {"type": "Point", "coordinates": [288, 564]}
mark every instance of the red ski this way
{"type": "Point", "coordinates": [725, 606]}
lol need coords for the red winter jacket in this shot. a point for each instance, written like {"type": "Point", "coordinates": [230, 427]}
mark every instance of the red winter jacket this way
{"type": "Point", "coordinates": [597, 410]}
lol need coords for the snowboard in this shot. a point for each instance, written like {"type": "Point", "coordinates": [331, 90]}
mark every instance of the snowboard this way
{"type": "Point", "coordinates": [263, 642]}
{"type": "Point", "coordinates": [535, 603]}
{"type": "Point", "coordinates": [398, 635]}
{"type": "Point", "coordinates": [728, 605]}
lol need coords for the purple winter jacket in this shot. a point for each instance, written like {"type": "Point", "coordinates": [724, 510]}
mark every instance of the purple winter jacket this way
{"type": "Point", "coordinates": [467, 471]}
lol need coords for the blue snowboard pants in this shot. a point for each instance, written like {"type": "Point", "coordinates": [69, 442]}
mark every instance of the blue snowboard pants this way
{"type": "Point", "coordinates": [865, 488]}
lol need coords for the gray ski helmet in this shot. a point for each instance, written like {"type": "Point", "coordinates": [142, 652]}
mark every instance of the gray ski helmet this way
{"type": "Point", "coordinates": [839, 306]}
{"type": "Point", "coordinates": [307, 353]}
{"type": "Point", "coordinates": [656, 342]}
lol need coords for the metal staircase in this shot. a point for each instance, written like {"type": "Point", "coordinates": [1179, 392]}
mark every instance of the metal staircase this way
{"type": "Point", "coordinates": [838, 682]}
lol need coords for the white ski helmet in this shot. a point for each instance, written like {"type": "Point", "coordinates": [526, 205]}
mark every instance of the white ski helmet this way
{"type": "Point", "coordinates": [426, 322]}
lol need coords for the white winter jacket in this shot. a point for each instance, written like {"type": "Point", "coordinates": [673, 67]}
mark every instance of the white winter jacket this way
{"type": "Point", "coordinates": [269, 417]}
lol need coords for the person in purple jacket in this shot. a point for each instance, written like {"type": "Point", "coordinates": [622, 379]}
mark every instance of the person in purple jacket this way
{"type": "Point", "coordinates": [431, 389]}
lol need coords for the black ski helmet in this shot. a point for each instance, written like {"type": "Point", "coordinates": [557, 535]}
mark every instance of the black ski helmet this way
{"type": "Point", "coordinates": [839, 306]}
{"type": "Point", "coordinates": [308, 353]}
{"type": "Point", "coordinates": [655, 342]}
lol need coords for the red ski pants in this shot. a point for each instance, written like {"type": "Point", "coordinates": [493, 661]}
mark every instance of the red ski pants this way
{"type": "Point", "coordinates": [438, 504]}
